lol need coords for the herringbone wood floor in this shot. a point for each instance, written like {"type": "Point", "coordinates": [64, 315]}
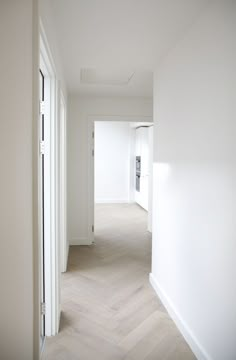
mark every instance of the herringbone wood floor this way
{"type": "Point", "coordinates": [109, 310]}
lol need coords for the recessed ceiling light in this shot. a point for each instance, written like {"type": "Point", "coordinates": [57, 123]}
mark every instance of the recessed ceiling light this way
{"type": "Point", "coordinates": [105, 76]}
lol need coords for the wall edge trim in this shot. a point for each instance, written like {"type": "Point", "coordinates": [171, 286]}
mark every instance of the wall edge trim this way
{"type": "Point", "coordinates": [79, 241]}
{"type": "Point", "coordinates": [112, 201]}
{"type": "Point", "coordinates": [190, 338]}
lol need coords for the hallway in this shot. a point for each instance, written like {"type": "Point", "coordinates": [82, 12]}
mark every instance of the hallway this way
{"type": "Point", "coordinates": [109, 310]}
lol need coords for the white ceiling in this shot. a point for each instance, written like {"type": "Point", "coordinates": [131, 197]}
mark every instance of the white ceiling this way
{"type": "Point", "coordinates": [120, 37]}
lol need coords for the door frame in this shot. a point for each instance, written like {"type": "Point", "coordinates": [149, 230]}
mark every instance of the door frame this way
{"type": "Point", "coordinates": [41, 213]}
{"type": "Point", "coordinates": [64, 244]}
{"type": "Point", "coordinates": [52, 253]}
{"type": "Point", "coordinates": [91, 121]}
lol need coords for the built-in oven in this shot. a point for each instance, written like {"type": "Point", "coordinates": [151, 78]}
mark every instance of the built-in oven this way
{"type": "Point", "coordinates": [138, 172]}
{"type": "Point", "coordinates": [138, 163]}
{"type": "Point", "coordinates": [137, 182]}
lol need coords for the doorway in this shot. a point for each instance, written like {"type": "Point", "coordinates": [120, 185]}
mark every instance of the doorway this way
{"type": "Point", "coordinates": [122, 166]}
{"type": "Point", "coordinates": [134, 122]}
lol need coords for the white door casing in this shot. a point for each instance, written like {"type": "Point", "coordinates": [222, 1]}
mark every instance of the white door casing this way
{"type": "Point", "coordinates": [52, 252]}
{"type": "Point", "coordinates": [91, 121]}
{"type": "Point", "coordinates": [64, 246]}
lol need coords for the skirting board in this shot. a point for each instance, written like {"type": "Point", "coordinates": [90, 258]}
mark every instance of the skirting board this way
{"type": "Point", "coordinates": [80, 241]}
{"type": "Point", "coordinates": [112, 201]}
{"type": "Point", "coordinates": [67, 257]}
{"type": "Point", "coordinates": [194, 344]}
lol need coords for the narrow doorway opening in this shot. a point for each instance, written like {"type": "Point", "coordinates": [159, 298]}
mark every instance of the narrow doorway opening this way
{"type": "Point", "coordinates": [122, 178]}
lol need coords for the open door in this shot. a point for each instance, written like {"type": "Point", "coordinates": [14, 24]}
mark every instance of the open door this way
{"type": "Point", "coordinates": [42, 207]}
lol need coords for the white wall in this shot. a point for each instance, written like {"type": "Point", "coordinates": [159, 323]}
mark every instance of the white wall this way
{"type": "Point", "coordinates": [48, 23]}
{"type": "Point", "coordinates": [112, 161]}
{"type": "Point", "coordinates": [80, 108]}
{"type": "Point", "coordinates": [150, 178]}
{"type": "Point", "coordinates": [19, 279]}
{"type": "Point", "coordinates": [18, 68]}
{"type": "Point", "coordinates": [194, 242]}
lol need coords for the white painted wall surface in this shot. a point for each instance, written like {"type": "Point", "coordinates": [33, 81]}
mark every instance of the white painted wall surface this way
{"type": "Point", "coordinates": [47, 19]}
{"type": "Point", "coordinates": [112, 161]}
{"type": "Point", "coordinates": [150, 177]}
{"type": "Point", "coordinates": [194, 239]}
{"type": "Point", "coordinates": [18, 67]}
{"type": "Point", "coordinates": [80, 108]}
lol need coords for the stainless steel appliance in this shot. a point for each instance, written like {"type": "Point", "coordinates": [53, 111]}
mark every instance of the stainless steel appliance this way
{"type": "Point", "coordinates": [138, 172]}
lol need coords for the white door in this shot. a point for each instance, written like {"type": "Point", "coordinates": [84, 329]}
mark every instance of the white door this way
{"type": "Point", "coordinates": [42, 207]}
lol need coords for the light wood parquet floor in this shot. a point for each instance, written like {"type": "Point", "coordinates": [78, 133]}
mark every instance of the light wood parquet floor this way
{"type": "Point", "coordinates": [109, 310]}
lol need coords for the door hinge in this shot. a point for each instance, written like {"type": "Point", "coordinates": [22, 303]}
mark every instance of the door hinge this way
{"type": "Point", "coordinates": [92, 228]}
{"type": "Point", "coordinates": [92, 152]}
{"type": "Point", "coordinates": [43, 308]}
{"type": "Point", "coordinates": [93, 134]}
{"type": "Point", "coordinates": [41, 107]}
{"type": "Point", "coordinates": [41, 147]}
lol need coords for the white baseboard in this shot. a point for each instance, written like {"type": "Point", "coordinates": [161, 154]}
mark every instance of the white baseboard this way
{"type": "Point", "coordinates": [65, 262]}
{"type": "Point", "coordinates": [67, 257]}
{"type": "Point", "coordinates": [192, 341]}
{"type": "Point", "coordinates": [112, 201]}
{"type": "Point", "coordinates": [80, 241]}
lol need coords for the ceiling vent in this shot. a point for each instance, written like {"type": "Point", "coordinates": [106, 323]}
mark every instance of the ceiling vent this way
{"type": "Point", "coordinates": [105, 77]}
